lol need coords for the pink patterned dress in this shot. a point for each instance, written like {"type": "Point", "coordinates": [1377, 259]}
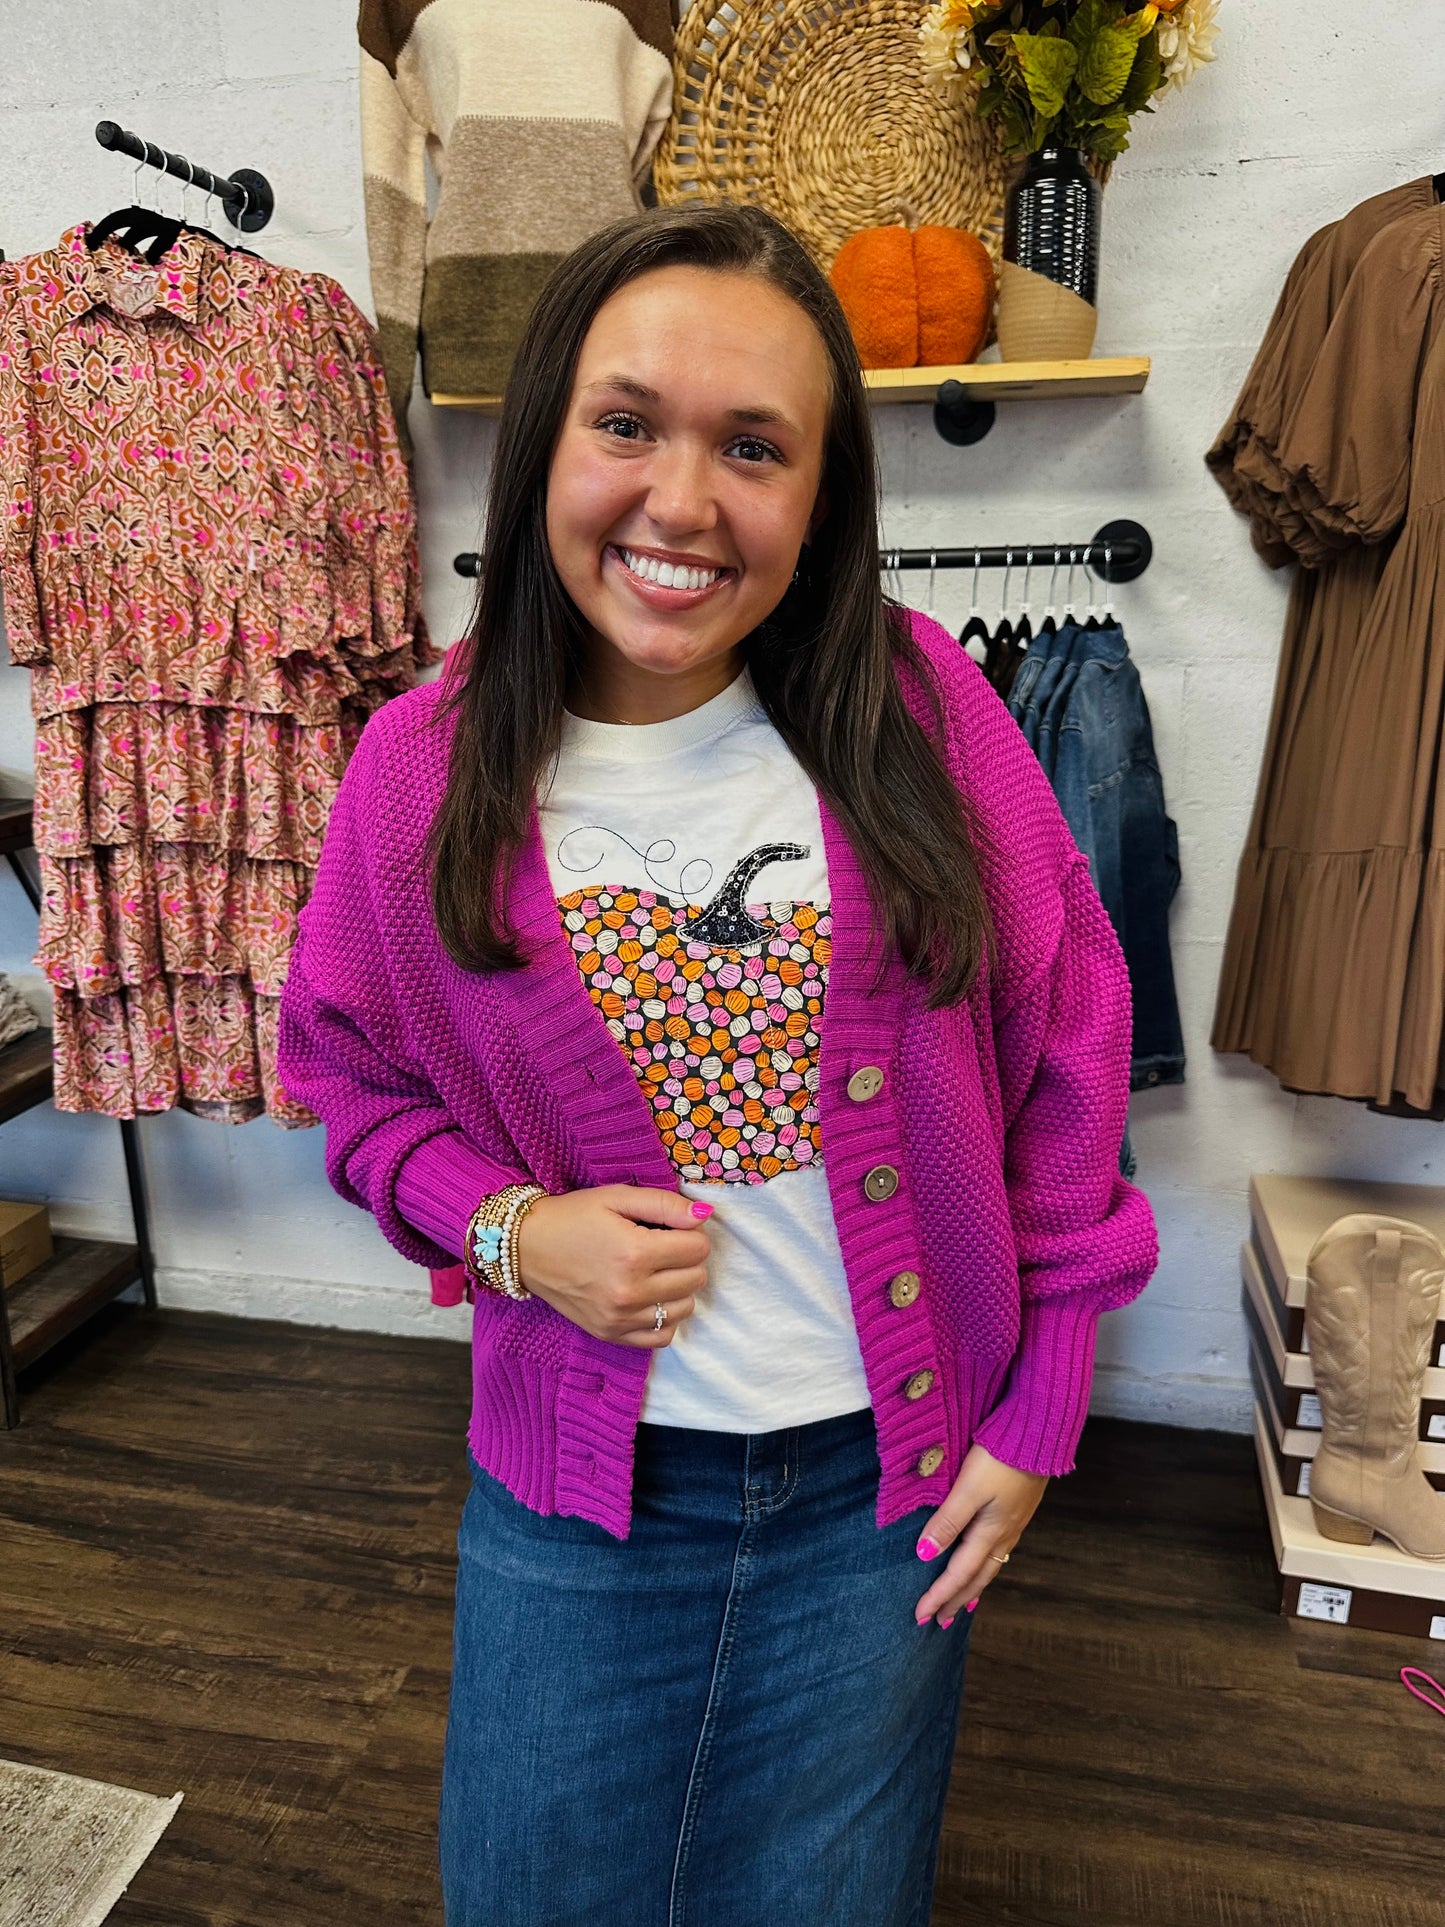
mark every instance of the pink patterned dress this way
{"type": "Point", "coordinates": [208, 559]}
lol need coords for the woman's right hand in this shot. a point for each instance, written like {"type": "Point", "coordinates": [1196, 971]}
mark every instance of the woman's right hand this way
{"type": "Point", "coordinates": [608, 1258]}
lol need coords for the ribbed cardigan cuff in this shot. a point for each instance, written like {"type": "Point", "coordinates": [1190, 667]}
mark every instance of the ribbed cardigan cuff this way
{"type": "Point", "coordinates": [1036, 1424]}
{"type": "Point", "coordinates": [442, 1182]}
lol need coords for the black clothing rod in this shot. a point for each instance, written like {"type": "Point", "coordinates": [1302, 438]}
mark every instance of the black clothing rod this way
{"type": "Point", "coordinates": [245, 195]}
{"type": "Point", "coordinates": [1120, 552]}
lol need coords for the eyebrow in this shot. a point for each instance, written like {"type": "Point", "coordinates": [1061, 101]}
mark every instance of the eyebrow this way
{"type": "Point", "coordinates": [756, 416]}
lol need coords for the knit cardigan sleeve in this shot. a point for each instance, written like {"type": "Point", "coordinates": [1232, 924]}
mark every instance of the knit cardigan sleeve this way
{"type": "Point", "coordinates": [1062, 1024]}
{"type": "Point", "coordinates": [1085, 1237]}
{"type": "Point", "coordinates": [343, 1050]}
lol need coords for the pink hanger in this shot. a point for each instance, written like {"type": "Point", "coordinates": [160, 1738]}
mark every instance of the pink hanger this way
{"type": "Point", "coordinates": [1437, 1703]}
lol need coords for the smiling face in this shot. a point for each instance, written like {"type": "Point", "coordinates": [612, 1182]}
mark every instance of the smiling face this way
{"type": "Point", "coordinates": [684, 482]}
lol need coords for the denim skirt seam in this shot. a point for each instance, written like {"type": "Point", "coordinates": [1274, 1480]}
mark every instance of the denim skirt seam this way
{"type": "Point", "coordinates": [697, 1778]}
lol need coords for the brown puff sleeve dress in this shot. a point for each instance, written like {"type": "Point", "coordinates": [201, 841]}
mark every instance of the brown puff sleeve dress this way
{"type": "Point", "coordinates": [1257, 1012]}
{"type": "Point", "coordinates": [1361, 1006]}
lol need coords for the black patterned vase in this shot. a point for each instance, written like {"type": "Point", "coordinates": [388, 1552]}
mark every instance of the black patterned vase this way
{"type": "Point", "coordinates": [1052, 218]}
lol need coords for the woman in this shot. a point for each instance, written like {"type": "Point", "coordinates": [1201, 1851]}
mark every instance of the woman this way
{"type": "Point", "coordinates": [708, 964]}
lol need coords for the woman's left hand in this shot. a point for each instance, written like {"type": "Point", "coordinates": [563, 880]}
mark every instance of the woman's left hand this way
{"type": "Point", "coordinates": [990, 1504]}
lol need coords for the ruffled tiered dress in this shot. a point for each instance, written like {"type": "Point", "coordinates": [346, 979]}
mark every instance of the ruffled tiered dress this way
{"type": "Point", "coordinates": [209, 565]}
{"type": "Point", "coordinates": [1275, 997]}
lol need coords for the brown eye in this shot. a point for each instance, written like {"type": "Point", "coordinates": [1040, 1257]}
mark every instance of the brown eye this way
{"type": "Point", "coordinates": [611, 424]}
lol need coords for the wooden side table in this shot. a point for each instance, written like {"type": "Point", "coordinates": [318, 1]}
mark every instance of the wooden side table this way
{"type": "Point", "coordinates": [85, 1273]}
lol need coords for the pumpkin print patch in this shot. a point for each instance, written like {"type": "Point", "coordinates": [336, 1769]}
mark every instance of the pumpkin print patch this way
{"type": "Point", "coordinates": [718, 1009]}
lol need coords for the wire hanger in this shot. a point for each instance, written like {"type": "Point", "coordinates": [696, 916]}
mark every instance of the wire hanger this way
{"type": "Point", "coordinates": [1050, 624]}
{"type": "Point", "coordinates": [975, 629]}
{"type": "Point", "coordinates": [140, 230]}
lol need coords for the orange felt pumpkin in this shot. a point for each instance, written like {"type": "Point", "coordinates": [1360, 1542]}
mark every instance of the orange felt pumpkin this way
{"type": "Point", "coordinates": [915, 297]}
{"type": "Point", "coordinates": [955, 295]}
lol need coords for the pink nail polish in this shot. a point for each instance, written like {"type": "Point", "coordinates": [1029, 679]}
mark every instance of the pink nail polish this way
{"type": "Point", "coordinates": [971, 1604]}
{"type": "Point", "coordinates": [921, 1619]}
{"type": "Point", "coordinates": [928, 1550]}
{"type": "Point", "coordinates": [702, 1210]}
{"type": "Point", "coordinates": [946, 1623]}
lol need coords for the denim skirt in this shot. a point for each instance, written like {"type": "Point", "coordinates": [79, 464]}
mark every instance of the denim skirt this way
{"type": "Point", "coordinates": [729, 1719]}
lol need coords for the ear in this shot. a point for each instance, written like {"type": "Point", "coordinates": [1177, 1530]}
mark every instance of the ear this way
{"type": "Point", "coordinates": [820, 513]}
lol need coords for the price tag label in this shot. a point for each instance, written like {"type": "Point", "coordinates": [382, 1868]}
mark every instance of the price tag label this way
{"type": "Point", "coordinates": [1303, 1488]}
{"type": "Point", "coordinates": [1437, 1427]}
{"type": "Point", "coordinates": [1311, 1418]}
{"type": "Point", "coordinates": [1325, 1602]}
{"type": "Point", "coordinates": [1440, 1361]}
{"type": "Point", "coordinates": [1437, 1626]}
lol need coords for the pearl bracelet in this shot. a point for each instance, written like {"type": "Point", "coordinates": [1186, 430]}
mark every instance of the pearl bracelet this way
{"type": "Point", "coordinates": [493, 1240]}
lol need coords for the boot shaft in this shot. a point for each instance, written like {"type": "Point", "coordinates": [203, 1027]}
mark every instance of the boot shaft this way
{"type": "Point", "coordinates": [1374, 1292]}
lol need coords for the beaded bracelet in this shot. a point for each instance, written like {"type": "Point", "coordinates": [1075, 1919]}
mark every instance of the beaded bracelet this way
{"type": "Point", "coordinates": [493, 1240]}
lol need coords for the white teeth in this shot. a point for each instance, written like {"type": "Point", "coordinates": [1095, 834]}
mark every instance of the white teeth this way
{"type": "Point", "coordinates": [668, 575]}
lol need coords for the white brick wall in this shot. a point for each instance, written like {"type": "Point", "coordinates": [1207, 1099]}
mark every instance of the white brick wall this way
{"type": "Point", "coordinates": [1306, 112]}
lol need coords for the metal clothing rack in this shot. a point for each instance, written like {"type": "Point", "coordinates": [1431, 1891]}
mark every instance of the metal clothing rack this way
{"type": "Point", "coordinates": [245, 195]}
{"type": "Point", "coordinates": [51, 1301]}
{"type": "Point", "coordinates": [1120, 552]}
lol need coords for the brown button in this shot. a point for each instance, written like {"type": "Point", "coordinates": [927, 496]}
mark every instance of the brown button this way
{"type": "Point", "coordinates": [930, 1462]}
{"type": "Point", "coordinates": [880, 1183]}
{"type": "Point", "coordinates": [905, 1288]}
{"type": "Point", "coordinates": [920, 1383]}
{"type": "Point", "coordinates": [865, 1083]}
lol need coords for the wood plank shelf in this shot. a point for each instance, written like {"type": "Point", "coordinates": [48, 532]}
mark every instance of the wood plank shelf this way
{"type": "Point", "coordinates": [1013, 380]}
{"type": "Point", "coordinates": [48, 1303]}
{"type": "Point", "coordinates": [26, 1073]}
{"type": "Point", "coordinates": [981, 380]}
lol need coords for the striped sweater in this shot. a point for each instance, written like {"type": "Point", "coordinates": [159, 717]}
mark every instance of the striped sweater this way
{"type": "Point", "coordinates": [540, 118]}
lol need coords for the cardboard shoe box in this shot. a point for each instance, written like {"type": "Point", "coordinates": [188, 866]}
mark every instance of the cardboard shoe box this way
{"type": "Point", "coordinates": [24, 1240]}
{"type": "Point", "coordinates": [1375, 1587]}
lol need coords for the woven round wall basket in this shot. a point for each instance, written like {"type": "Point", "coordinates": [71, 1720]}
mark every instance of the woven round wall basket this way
{"type": "Point", "coordinates": [818, 110]}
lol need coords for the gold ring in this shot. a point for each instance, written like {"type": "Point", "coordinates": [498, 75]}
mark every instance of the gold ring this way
{"type": "Point", "coordinates": [1003, 1561]}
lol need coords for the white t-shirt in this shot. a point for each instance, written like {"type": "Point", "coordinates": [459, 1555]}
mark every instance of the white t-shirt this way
{"type": "Point", "coordinates": [691, 879]}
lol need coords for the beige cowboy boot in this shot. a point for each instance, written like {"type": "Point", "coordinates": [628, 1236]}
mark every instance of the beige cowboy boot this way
{"type": "Point", "coordinates": [1374, 1290]}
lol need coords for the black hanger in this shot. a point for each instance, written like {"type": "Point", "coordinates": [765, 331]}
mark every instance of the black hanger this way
{"type": "Point", "coordinates": [140, 230]}
{"type": "Point", "coordinates": [1000, 648]}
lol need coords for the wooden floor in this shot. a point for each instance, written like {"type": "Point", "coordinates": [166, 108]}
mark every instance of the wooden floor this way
{"type": "Point", "coordinates": [226, 1555]}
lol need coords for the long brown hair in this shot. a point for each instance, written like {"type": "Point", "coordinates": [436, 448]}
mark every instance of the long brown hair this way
{"type": "Point", "coordinates": [824, 663]}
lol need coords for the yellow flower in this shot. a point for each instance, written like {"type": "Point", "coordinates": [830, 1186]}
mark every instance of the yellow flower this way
{"type": "Point", "coordinates": [947, 57]}
{"type": "Point", "coordinates": [1186, 39]}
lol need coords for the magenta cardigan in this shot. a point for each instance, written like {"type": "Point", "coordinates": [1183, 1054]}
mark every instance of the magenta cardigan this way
{"type": "Point", "coordinates": [1002, 1117]}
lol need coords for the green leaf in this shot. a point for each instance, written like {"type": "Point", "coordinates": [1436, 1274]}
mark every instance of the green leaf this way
{"type": "Point", "coordinates": [1110, 138]}
{"type": "Point", "coordinates": [1105, 64]}
{"type": "Point", "coordinates": [1089, 16]}
{"type": "Point", "coordinates": [1144, 79]}
{"type": "Point", "coordinates": [1047, 67]}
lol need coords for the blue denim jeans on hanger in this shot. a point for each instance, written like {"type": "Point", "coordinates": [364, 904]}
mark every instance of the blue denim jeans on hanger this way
{"type": "Point", "coordinates": [1083, 709]}
{"type": "Point", "coordinates": [729, 1719]}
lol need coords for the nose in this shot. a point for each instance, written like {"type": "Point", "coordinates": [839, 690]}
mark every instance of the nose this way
{"type": "Point", "coordinates": [680, 497]}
